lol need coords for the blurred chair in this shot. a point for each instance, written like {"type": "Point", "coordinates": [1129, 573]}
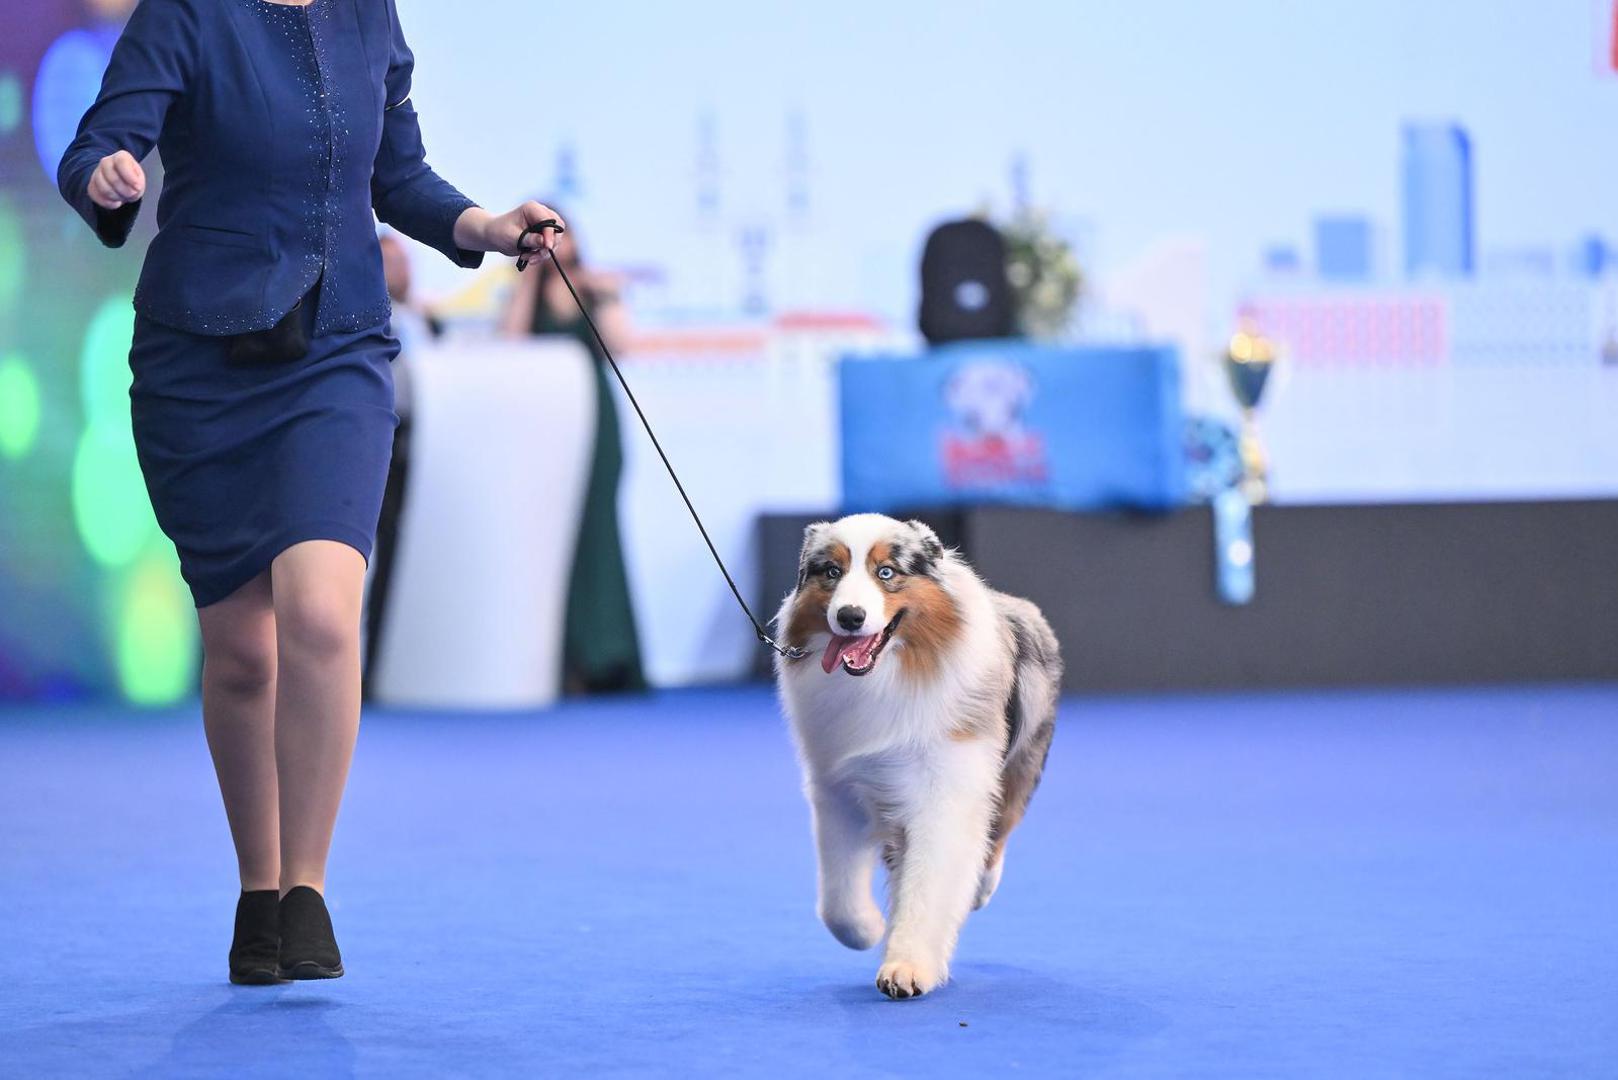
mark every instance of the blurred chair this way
{"type": "Point", "coordinates": [965, 293]}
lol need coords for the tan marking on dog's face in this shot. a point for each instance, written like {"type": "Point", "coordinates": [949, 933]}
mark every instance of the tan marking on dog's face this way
{"type": "Point", "coordinates": [893, 589]}
{"type": "Point", "coordinates": [932, 623]}
{"type": "Point", "coordinates": [814, 594]}
{"type": "Point", "coordinates": [880, 555]}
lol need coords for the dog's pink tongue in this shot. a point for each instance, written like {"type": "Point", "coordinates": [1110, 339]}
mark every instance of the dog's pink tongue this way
{"type": "Point", "coordinates": [839, 647]}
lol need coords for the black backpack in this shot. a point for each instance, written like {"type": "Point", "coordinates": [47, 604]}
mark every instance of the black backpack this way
{"type": "Point", "coordinates": [964, 290]}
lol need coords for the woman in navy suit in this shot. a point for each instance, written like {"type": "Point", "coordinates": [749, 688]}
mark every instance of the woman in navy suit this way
{"type": "Point", "coordinates": [262, 397]}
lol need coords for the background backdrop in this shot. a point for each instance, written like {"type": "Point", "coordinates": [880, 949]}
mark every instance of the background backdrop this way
{"type": "Point", "coordinates": [1408, 195]}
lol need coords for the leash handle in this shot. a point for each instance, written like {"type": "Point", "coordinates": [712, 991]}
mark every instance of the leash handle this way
{"type": "Point", "coordinates": [525, 255]}
{"type": "Point", "coordinates": [523, 259]}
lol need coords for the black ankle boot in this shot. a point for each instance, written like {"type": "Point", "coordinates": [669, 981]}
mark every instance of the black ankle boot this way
{"type": "Point", "coordinates": [308, 946]}
{"type": "Point", "coordinates": [257, 943]}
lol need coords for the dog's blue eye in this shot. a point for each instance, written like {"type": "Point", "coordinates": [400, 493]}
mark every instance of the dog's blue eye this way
{"type": "Point", "coordinates": [834, 572]}
{"type": "Point", "coordinates": [884, 572]}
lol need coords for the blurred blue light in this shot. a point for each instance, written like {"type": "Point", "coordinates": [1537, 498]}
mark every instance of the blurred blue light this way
{"type": "Point", "coordinates": [69, 76]}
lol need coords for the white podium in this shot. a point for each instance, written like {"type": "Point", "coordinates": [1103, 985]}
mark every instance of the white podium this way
{"type": "Point", "coordinates": [500, 450]}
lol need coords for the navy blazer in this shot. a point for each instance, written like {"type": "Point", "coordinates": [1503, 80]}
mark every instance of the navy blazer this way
{"type": "Point", "coordinates": [281, 129]}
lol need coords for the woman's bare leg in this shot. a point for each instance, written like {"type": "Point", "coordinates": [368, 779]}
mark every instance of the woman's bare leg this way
{"type": "Point", "coordinates": [238, 714]}
{"type": "Point", "coordinates": [317, 587]}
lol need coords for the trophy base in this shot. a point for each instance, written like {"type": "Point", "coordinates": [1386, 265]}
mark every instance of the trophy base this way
{"type": "Point", "coordinates": [1255, 481]}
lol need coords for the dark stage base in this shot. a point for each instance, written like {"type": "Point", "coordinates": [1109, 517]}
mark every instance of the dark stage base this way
{"type": "Point", "coordinates": [1346, 595]}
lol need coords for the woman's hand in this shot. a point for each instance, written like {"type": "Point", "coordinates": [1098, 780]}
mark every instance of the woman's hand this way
{"type": "Point", "coordinates": [478, 230]}
{"type": "Point", "coordinates": [117, 180]}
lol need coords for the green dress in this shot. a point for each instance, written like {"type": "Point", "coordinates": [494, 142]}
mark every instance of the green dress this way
{"type": "Point", "coordinates": [601, 650]}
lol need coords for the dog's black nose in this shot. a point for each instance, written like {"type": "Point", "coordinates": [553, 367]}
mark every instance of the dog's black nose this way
{"type": "Point", "coordinates": [850, 617]}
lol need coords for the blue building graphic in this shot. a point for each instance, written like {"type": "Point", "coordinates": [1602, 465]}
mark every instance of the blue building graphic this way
{"type": "Point", "coordinates": [1438, 204]}
{"type": "Point", "coordinates": [1343, 247]}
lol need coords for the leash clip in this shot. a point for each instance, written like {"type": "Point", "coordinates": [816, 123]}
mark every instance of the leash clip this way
{"type": "Point", "coordinates": [788, 652]}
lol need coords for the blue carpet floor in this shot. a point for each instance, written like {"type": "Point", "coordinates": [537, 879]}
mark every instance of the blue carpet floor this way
{"type": "Point", "coordinates": [1394, 884]}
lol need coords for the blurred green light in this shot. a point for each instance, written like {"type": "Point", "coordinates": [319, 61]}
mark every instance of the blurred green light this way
{"type": "Point", "coordinates": [10, 102]}
{"type": "Point", "coordinates": [12, 261]}
{"type": "Point", "coordinates": [110, 505]}
{"type": "Point", "coordinates": [156, 635]}
{"type": "Point", "coordinates": [19, 407]}
{"type": "Point", "coordinates": [104, 363]}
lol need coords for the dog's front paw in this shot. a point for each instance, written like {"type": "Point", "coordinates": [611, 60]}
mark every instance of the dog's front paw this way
{"type": "Point", "coordinates": [858, 929]}
{"type": "Point", "coordinates": [901, 979]}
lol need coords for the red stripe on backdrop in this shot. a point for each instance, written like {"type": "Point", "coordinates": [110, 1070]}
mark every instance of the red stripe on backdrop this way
{"type": "Point", "coordinates": [1612, 51]}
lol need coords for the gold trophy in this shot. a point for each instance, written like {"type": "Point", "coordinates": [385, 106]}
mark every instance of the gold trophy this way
{"type": "Point", "coordinates": [1248, 361]}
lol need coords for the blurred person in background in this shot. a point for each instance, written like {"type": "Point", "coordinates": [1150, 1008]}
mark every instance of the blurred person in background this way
{"type": "Point", "coordinates": [601, 649]}
{"type": "Point", "coordinates": [410, 322]}
{"type": "Point", "coordinates": [262, 398]}
{"type": "Point", "coordinates": [415, 327]}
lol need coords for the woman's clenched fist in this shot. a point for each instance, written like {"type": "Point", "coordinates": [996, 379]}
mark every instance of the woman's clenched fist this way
{"type": "Point", "coordinates": [117, 180]}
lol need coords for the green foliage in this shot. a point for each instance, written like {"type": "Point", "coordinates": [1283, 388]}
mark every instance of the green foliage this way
{"type": "Point", "coordinates": [1046, 281]}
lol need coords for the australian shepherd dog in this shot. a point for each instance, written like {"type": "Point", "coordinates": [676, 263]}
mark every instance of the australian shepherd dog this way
{"type": "Point", "coordinates": [923, 713]}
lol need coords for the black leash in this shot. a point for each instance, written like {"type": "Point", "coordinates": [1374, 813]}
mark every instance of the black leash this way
{"type": "Point", "coordinates": [789, 652]}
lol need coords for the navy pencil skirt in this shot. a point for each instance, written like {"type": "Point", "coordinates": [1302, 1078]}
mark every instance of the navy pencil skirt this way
{"type": "Point", "coordinates": [243, 461]}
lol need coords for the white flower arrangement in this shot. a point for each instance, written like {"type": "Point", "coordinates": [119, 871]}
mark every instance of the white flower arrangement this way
{"type": "Point", "coordinates": [1045, 278]}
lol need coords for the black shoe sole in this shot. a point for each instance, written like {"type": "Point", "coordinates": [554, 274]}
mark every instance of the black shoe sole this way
{"type": "Point", "coordinates": [308, 969]}
{"type": "Point", "coordinates": [256, 977]}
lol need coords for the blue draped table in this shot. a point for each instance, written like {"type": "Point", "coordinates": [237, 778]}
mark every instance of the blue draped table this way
{"type": "Point", "coordinates": [1013, 423]}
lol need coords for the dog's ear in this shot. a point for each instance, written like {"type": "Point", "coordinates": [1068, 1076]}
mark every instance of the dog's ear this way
{"type": "Point", "coordinates": [928, 539]}
{"type": "Point", "coordinates": [814, 535]}
{"type": "Point", "coordinates": [814, 538]}
{"type": "Point", "coordinates": [930, 550]}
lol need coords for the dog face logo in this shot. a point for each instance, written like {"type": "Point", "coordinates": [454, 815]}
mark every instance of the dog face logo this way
{"type": "Point", "coordinates": [989, 397]}
{"type": "Point", "coordinates": [990, 443]}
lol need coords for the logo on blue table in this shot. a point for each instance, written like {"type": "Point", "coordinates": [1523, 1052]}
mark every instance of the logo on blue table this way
{"type": "Point", "coordinates": [989, 441]}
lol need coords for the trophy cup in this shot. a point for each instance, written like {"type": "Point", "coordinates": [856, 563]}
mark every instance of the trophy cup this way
{"type": "Point", "coordinates": [1248, 361]}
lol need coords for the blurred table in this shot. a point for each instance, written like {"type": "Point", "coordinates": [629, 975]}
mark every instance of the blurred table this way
{"type": "Point", "coordinates": [1014, 423]}
{"type": "Point", "coordinates": [500, 454]}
